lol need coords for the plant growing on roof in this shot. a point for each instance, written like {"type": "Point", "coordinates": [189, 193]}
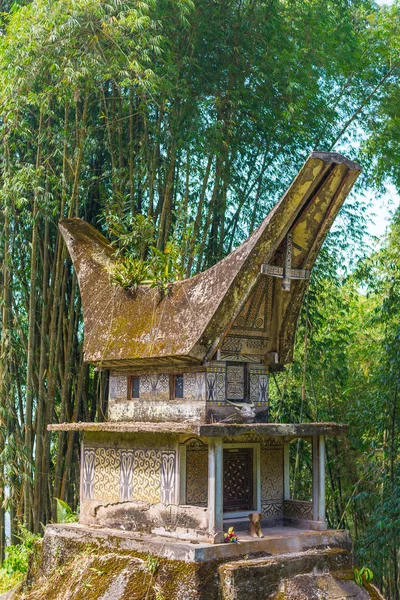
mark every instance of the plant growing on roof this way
{"type": "Point", "coordinates": [139, 262]}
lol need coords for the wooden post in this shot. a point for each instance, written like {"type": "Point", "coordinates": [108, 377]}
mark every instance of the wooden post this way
{"type": "Point", "coordinates": [319, 478]}
{"type": "Point", "coordinates": [321, 507]}
{"type": "Point", "coordinates": [315, 478]}
{"type": "Point", "coordinates": [286, 471]}
{"type": "Point", "coordinates": [215, 490]}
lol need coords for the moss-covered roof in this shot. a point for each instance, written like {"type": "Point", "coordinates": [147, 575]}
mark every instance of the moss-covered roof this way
{"type": "Point", "coordinates": [186, 327]}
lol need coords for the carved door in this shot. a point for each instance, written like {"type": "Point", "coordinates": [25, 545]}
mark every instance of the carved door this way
{"type": "Point", "coordinates": [238, 479]}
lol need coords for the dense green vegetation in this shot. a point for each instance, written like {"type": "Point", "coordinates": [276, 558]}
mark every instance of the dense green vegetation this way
{"type": "Point", "coordinates": [197, 114]}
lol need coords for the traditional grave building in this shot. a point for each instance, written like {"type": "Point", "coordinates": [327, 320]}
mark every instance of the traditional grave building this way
{"type": "Point", "coordinates": [187, 449]}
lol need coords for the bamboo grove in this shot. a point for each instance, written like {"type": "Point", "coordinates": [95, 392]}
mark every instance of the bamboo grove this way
{"type": "Point", "coordinates": [195, 114]}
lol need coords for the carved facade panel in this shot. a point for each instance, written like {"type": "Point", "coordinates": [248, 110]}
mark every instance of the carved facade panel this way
{"type": "Point", "coordinates": [271, 459]}
{"type": "Point", "coordinates": [298, 509]}
{"type": "Point", "coordinates": [107, 474]}
{"type": "Point", "coordinates": [88, 474]}
{"type": "Point", "coordinates": [155, 386]}
{"type": "Point", "coordinates": [263, 389]}
{"type": "Point", "coordinates": [196, 473]}
{"type": "Point", "coordinates": [146, 478]}
{"type": "Point", "coordinates": [254, 376]}
{"type": "Point", "coordinates": [168, 477]}
{"type": "Point", "coordinates": [118, 387]}
{"type": "Point", "coordinates": [235, 382]}
{"type": "Point", "coordinates": [194, 387]}
{"type": "Point", "coordinates": [215, 384]}
{"type": "Point", "coordinates": [250, 333]}
{"type": "Point", "coordinates": [211, 387]}
{"type": "Point", "coordinates": [238, 479]}
{"type": "Point", "coordinates": [126, 475]}
{"type": "Point", "coordinates": [272, 509]}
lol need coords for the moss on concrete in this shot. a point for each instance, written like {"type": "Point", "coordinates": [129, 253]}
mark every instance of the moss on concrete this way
{"type": "Point", "coordinates": [92, 571]}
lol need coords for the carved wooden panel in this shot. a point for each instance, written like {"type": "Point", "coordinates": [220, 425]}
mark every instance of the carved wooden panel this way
{"type": "Point", "coordinates": [250, 333]}
{"type": "Point", "coordinates": [298, 509]}
{"type": "Point", "coordinates": [271, 457]}
{"type": "Point", "coordinates": [107, 474]}
{"type": "Point", "coordinates": [272, 509]}
{"type": "Point", "coordinates": [238, 479]}
{"type": "Point", "coordinates": [197, 473]}
{"type": "Point", "coordinates": [154, 386]}
{"type": "Point", "coordinates": [146, 478]}
{"type": "Point", "coordinates": [235, 382]}
{"type": "Point", "coordinates": [215, 384]}
{"type": "Point", "coordinates": [263, 389]}
{"type": "Point", "coordinates": [194, 386]}
{"type": "Point", "coordinates": [88, 474]}
{"type": "Point", "coordinates": [118, 387]}
{"type": "Point", "coordinates": [168, 473]}
{"type": "Point", "coordinates": [126, 475]}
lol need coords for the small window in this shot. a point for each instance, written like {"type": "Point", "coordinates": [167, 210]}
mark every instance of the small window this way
{"type": "Point", "coordinates": [135, 387]}
{"type": "Point", "coordinates": [178, 386]}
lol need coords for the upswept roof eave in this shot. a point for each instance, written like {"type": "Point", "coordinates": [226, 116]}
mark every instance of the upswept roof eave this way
{"type": "Point", "coordinates": [193, 320]}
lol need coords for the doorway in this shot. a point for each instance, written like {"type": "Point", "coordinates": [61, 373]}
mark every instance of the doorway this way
{"type": "Point", "coordinates": [238, 486]}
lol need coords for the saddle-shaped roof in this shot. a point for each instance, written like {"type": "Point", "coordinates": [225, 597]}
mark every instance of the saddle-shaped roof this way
{"type": "Point", "coordinates": [142, 330]}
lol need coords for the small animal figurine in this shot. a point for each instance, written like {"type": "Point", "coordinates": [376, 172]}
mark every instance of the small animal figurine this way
{"type": "Point", "coordinates": [255, 525]}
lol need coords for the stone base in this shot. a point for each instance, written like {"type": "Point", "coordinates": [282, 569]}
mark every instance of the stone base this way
{"type": "Point", "coordinates": [276, 540]}
{"type": "Point", "coordinates": [103, 564]}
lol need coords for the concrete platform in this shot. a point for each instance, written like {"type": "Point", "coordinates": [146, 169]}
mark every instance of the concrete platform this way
{"type": "Point", "coordinates": [277, 540]}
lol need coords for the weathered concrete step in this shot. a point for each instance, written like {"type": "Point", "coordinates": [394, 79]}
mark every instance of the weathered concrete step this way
{"type": "Point", "coordinates": [261, 577]}
{"type": "Point", "coordinates": [328, 586]}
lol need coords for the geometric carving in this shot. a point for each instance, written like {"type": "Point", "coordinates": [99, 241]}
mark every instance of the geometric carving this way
{"type": "Point", "coordinates": [220, 391]}
{"type": "Point", "coordinates": [232, 344]}
{"type": "Point", "coordinates": [122, 387]}
{"type": "Point", "coordinates": [146, 476]}
{"type": "Point", "coordinates": [271, 474]}
{"type": "Point", "coordinates": [194, 386]}
{"type": "Point", "coordinates": [88, 474]}
{"type": "Point", "coordinates": [251, 329]}
{"type": "Point", "coordinates": [107, 474]}
{"type": "Point", "coordinates": [298, 509]}
{"type": "Point", "coordinates": [263, 389]}
{"type": "Point", "coordinates": [168, 469]}
{"type": "Point", "coordinates": [211, 385]}
{"type": "Point", "coordinates": [273, 509]}
{"type": "Point", "coordinates": [215, 384]}
{"type": "Point", "coordinates": [238, 479]}
{"type": "Point", "coordinates": [196, 473]}
{"type": "Point", "coordinates": [118, 387]}
{"type": "Point", "coordinates": [126, 472]}
{"type": "Point", "coordinates": [254, 395]}
{"type": "Point", "coordinates": [154, 385]}
{"type": "Point", "coordinates": [235, 382]}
